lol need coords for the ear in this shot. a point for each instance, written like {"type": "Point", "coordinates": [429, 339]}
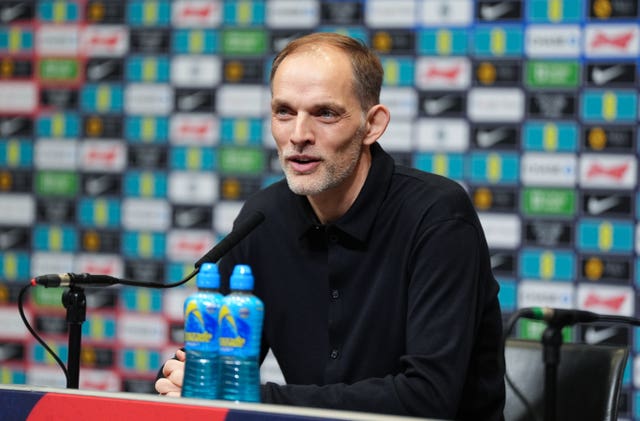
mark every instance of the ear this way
{"type": "Point", "coordinates": [378, 118]}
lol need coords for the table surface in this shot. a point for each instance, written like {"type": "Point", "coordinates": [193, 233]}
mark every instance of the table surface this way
{"type": "Point", "coordinates": [38, 403]}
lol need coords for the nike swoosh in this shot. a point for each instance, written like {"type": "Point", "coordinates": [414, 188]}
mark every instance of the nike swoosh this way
{"type": "Point", "coordinates": [11, 12]}
{"type": "Point", "coordinates": [191, 102]}
{"type": "Point", "coordinates": [8, 239]}
{"type": "Point", "coordinates": [7, 352]}
{"type": "Point", "coordinates": [497, 260]}
{"type": "Point", "coordinates": [100, 70]}
{"type": "Point", "coordinates": [493, 12]}
{"type": "Point", "coordinates": [98, 185]}
{"type": "Point", "coordinates": [59, 98]}
{"type": "Point", "coordinates": [602, 76]}
{"type": "Point", "coordinates": [9, 127]}
{"type": "Point", "coordinates": [593, 336]}
{"type": "Point", "coordinates": [437, 106]}
{"type": "Point", "coordinates": [188, 217]}
{"type": "Point", "coordinates": [597, 206]}
{"type": "Point", "coordinates": [97, 300]}
{"type": "Point", "coordinates": [488, 138]}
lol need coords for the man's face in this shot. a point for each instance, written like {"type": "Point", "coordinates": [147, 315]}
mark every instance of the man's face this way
{"type": "Point", "coordinates": [317, 121]}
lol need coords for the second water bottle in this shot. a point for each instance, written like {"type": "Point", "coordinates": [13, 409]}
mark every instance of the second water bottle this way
{"type": "Point", "coordinates": [240, 321]}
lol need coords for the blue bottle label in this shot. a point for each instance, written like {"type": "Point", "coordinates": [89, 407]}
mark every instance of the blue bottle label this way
{"type": "Point", "coordinates": [241, 326]}
{"type": "Point", "coordinates": [201, 324]}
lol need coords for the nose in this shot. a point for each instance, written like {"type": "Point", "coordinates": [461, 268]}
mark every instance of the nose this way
{"type": "Point", "coordinates": [302, 130]}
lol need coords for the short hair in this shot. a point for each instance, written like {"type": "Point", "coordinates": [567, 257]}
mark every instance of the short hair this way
{"type": "Point", "coordinates": [365, 64]}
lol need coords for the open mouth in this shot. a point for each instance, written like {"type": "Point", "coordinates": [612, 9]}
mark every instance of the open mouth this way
{"type": "Point", "coordinates": [302, 159]}
{"type": "Point", "coordinates": [303, 163]}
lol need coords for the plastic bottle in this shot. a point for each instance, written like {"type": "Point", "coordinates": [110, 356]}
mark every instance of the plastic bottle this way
{"type": "Point", "coordinates": [201, 309]}
{"type": "Point", "coordinates": [240, 323]}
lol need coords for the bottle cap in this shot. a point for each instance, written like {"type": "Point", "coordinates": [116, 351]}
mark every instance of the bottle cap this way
{"type": "Point", "coordinates": [208, 276]}
{"type": "Point", "coordinates": [241, 278]}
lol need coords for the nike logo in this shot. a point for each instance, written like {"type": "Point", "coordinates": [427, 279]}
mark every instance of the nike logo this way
{"type": "Point", "coordinates": [593, 336]}
{"type": "Point", "coordinates": [59, 98]}
{"type": "Point", "coordinates": [488, 138]}
{"type": "Point", "coordinates": [437, 106]}
{"type": "Point", "coordinates": [597, 206]}
{"type": "Point", "coordinates": [602, 76]}
{"type": "Point", "coordinates": [98, 300]}
{"type": "Point", "coordinates": [192, 101]}
{"type": "Point", "coordinates": [11, 12]}
{"type": "Point", "coordinates": [97, 186]}
{"type": "Point", "coordinates": [9, 239]}
{"type": "Point", "coordinates": [101, 70]}
{"type": "Point", "coordinates": [494, 11]}
{"type": "Point", "coordinates": [10, 126]}
{"type": "Point", "coordinates": [188, 217]}
{"type": "Point", "coordinates": [497, 260]}
{"type": "Point", "coordinates": [9, 351]}
{"type": "Point", "coordinates": [56, 211]}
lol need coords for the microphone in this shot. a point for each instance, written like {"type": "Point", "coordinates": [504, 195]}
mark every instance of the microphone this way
{"type": "Point", "coordinates": [562, 317]}
{"type": "Point", "coordinates": [242, 229]}
{"type": "Point", "coordinates": [70, 279]}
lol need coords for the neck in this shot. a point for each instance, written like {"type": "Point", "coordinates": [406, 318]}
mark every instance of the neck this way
{"type": "Point", "coordinates": [331, 204]}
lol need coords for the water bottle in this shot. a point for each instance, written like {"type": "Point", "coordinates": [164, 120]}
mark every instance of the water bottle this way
{"type": "Point", "coordinates": [201, 309]}
{"type": "Point", "coordinates": [240, 323]}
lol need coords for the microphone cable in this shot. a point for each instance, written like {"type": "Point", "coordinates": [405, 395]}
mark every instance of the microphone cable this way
{"type": "Point", "coordinates": [47, 348]}
{"type": "Point", "coordinates": [35, 334]}
{"type": "Point", "coordinates": [240, 231]}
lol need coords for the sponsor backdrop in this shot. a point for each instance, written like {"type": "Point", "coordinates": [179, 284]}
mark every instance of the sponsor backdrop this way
{"type": "Point", "coordinates": [131, 132]}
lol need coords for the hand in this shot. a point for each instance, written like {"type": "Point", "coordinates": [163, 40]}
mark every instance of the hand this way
{"type": "Point", "coordinates": [173, 371]}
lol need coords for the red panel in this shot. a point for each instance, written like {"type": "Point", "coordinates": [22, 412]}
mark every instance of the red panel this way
{"type": "Point", "coordinates": [91, 408]}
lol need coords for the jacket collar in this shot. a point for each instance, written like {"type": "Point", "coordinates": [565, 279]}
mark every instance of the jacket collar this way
{"type": "Point", "coordinates": [357, 222]}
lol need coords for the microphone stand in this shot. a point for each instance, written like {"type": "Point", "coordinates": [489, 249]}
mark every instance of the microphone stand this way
{"type": "Point", "coordinates": [551, 341]}
{"type": "Point", "coordinates": [75, 302]}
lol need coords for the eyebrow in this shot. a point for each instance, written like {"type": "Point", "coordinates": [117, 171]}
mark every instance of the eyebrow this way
{"type": "Point", "coordinates": [276, 103]}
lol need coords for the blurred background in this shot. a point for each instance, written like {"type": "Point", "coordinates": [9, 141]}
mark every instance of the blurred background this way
{"type": "Point", "coordinates": [131, 132]}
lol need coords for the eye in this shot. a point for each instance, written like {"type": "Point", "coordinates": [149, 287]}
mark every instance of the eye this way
{"type": "Point", "coordinates": [281, 111]}
{"type": "Point", "coordinates": [326, 113]}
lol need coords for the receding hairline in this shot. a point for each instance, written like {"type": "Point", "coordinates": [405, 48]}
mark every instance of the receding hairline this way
{"type": "Point", "coordinates": [315, 41]}
{"type": "Point", "coordinates": [318, 50]}
{"type": "Point", "coordinates": [366, 69]}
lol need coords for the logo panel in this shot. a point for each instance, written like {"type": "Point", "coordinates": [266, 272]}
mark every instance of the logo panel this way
{"type": "Point", "coordinates": [555, 265]}
{"type": "Point", "coordinates": [550, 136]}
{"type": "Point", "coordinates": [495, 168]}
{"type": "Point", "coordinates": [548, 202]}
{"type": "Point", "coordinates": [443, 73]}
{"type": "Point", "coordinates": [546, 169]}
{"type": "Point", "coordinates": [609, 40]}
{"type": "Point", "coordinates": [605, 236]}
{"type": "Point", "coordinates": [614, 300]}
{"type": "Point", "coordinates": [498, 41]}
{"type": "Point", "coordinates": [608, 171]}
{"type": "Point", "coordinates": [496, 104]}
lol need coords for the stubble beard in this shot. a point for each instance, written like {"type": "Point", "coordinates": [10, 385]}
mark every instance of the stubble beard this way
{"type": "Point", "coordinates": [329, 174]}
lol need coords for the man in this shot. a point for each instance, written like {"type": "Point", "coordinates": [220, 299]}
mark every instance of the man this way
{"type": "Point", "coordinates": [376, 278]}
